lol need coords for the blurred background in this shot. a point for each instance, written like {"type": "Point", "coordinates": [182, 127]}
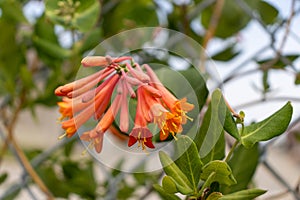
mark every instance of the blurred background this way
{"type": "Point", "coordinates": [255, 47]}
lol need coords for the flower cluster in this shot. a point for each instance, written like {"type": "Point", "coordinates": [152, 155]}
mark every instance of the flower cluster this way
{"type": "Point", "coordinates": [91, 97]}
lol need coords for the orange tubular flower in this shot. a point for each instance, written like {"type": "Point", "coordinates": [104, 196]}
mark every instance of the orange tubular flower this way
{"type": "Point", "coordinates": [178, 108]}
{"type": "Point", "coordinates": [95, 136]}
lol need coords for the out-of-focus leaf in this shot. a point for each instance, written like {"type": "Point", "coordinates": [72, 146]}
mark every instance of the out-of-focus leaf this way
{"type": "Point", "coordinates": [11, 57]}
{"type": "Point", "coordinates": [91, 39]}
{"type": "Point", "coordinates": [125, 16]}
{"type": "Point", "coordinates": [26, 77]}
{"type": "Point", "coordinates": [297, 79]}
{"type": "Point", "coordinates": [164, 194]}
{"type": "Point", "coordinates": [278, 64]}
{"type": "Point", "coordinates": [244, 194]}
{"type": "Point", "coordinates": [3, 177]}
{"type": "Point", "coordinates": [52, 49]}
{"type": "Point", "coordinates": [242, 172]}
{"type": "Point", "coordinates": [12, 10]}
{"type": "Point", "coordinates": [79, 14]}
{"type": "Point", "coordinates": [221, 170]}
{"type": "Point", "coordinates": [210, 138]}
{"type": "Point", "coordinates": [189, 161]}
{"type": "Point", "coordinates": [44, 29]}
{"type": "Point", "coordinates": [125, 191]}
{"type": "Point", "coordinates": [271, 127]}
{"type": "Point", "coordinates": [268, 13]}
{"type": "Point", "coordinates": [232, 20]}
{"type": "Point", "coordinates": [226, 54]}
{"type": "Point", "coordinates": [171, 169]}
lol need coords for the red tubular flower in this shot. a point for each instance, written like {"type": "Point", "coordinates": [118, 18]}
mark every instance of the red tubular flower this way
{"type": "Point", "coordinates": [140, 132]}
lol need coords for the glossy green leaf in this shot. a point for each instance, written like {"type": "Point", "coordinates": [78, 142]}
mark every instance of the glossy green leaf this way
{"type": "Point", "coordinates": [214, 196]}
{"type": "Point", "coordinates": [242, 172]}
{"type": "Point", "coordinates": [244, 194]}
{"type": "Point", "coordinates": [226, 54]}
{"type": "Point", "coordinates": [171, 169]}
{"type": "Point", "coordinates": [169, 185]}
{"type": "Point", "coordinates": [271, 127]}
{"type": "Point", "coordinates": [164, 194]}
{"type": "Point", "coordinates": [210, 138]}
{"type": "Point", "coordinates": [221, 170]}
{"type": "Point", "coordinates": [189, 161]}
{"type": "Point", "coordinates": [279, 64]}
{"type": "Point", "coordinates": [79, 14]}
{"type": "Point", "coordinates": [268, 13]}
{"type": "Point", "coordinates": [226, 117]}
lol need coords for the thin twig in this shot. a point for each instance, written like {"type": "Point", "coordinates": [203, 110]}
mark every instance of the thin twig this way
{"type": "Point", "coordinates": [213, 24]}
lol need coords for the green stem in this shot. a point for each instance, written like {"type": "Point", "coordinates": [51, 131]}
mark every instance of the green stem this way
{"type": "Point", "coordinates": [206, 183]}
{"type": "Point", "coordinates": [231, 151]}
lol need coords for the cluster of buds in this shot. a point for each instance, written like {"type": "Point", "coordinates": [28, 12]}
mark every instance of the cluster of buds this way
{"type": "Point", "coordinates": [91, 97]}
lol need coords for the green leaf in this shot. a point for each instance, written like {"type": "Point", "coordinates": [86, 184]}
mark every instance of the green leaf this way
{"type": "Point", "coordinates": [221, 170]}
{"type": "Point", "coordinates": [297, 79]}
{"type": "Point", "coordinates": [214, 196]}
{"type": "Point", "coordinates": [12, 10]}
{"type": "Point", "coordinates": [189, 161]}
{"type": "Point", "coordinates": [91, 40]}
{"type": "Point", "coordinates": [278, 64]}
{"type": "Point", "coordinates": [171, 169]}
{"type": "Point", "coordinates": [3, 177]}
{"type": "Point", "coordinates": [198, 83]}
{"type": "Point", "coordinates": [79, 14]}
{"type": "Point", "coordinates": [244, 194]}
{"type": "Point", "coordinates": [26, 77]}
{"type": "Point", "coordinates": [226, 54]}
{"type": "Point", "coordinates": [164, 194]}
{"type": "Point", "coordinates": [225, 116]}
{"type": "Point", "coordinates": [169, 185]}
{"type": "Point", "coordinates": [271, 127]}
{"type": "Point", "coordinates": [232, 20]}
{"type": "Point", "coordinates": [242, 172]}
{"type": "Point", "coordinates": [128, 14]}
{"type": "Point", "coordinates": [210, 138]}
{"type": "Point", "coordinates": [52, 49]}
{"type": "Point", "coordinates": [268, 13]}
